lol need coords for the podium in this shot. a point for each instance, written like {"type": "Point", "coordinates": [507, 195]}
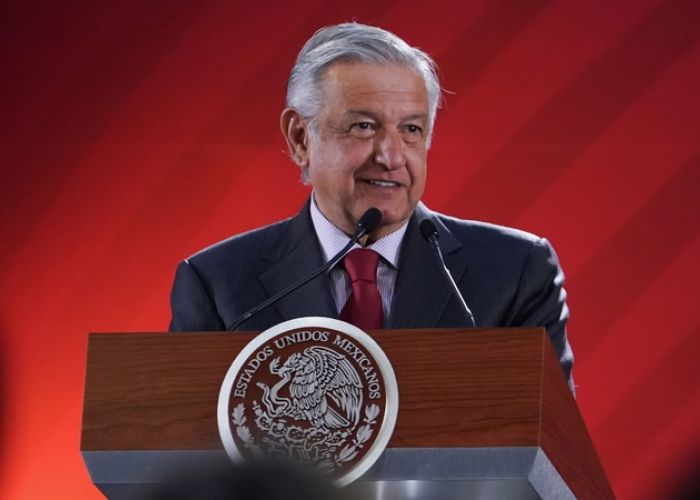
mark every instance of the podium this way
{"type": "Point", "coordinates": [483, 413]}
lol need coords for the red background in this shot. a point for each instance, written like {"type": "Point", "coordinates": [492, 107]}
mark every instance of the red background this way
{"type": "Point", "coordinates": [136, 132]}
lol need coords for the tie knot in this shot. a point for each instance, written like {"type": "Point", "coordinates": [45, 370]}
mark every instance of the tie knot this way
{"type": "Point", "coordinates": [361, 264]}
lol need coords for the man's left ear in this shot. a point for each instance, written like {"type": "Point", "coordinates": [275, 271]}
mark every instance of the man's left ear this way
{"type": "Point", "coordinates": [295, 131]}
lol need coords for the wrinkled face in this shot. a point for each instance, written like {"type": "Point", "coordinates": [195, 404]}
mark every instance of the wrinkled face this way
{"type": "Point", "coordinates": [369, 146]}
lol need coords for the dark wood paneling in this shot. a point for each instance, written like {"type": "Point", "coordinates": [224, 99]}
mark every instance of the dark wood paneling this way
{"type": "Point", "coordinates": [456, 388]}
{"type": "Point", "coordinates": [564, 437]}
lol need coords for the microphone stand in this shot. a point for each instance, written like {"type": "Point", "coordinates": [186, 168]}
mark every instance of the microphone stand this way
{"type": "Point", "coordinates": [430, 233]}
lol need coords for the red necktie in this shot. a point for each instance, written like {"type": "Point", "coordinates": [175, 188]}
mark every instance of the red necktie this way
{"type": "Point", "coordinates": [364, 307]}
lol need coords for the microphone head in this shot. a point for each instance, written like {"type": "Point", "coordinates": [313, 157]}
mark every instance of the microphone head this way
{"type": "Point", "coordinates": [428, 230]}
{"type": "Point", "coordinates": [370, 220]}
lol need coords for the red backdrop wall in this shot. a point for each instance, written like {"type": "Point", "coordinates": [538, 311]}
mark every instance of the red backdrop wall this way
{"type": "Point", "coordinates": [136, 132]}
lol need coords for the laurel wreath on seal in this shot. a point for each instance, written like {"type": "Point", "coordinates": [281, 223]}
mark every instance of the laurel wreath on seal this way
{"type": "Point", "coordinates": [348, 453]}
{"type": "Point", "coordinates": [242, 430]}
{"type": "Point", "coordinates": [365, 432]}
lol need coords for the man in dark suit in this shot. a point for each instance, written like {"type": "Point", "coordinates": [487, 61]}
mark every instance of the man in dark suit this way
{"type": "Point", "coordinates": [361, 105]}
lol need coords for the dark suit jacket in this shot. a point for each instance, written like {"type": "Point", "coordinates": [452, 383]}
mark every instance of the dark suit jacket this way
{"type": "Point", "coordinates": [508, 277]}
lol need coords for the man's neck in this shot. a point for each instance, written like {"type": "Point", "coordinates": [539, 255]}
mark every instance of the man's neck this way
{"type": "Point", "coordinates": [332, 238]}
{"type": "Point", "coordinates": [378, 234]}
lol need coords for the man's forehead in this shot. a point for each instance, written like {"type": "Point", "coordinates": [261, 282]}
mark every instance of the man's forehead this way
{"type": "Point", "coordinates": [364, 82]}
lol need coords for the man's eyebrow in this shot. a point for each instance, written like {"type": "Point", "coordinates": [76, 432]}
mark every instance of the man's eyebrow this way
{"type": "Point", "coordinates": [353, 113]}
{"type": "Point", "coordinates": [361, 113]}
{"type": "Point", "coordinates": [415, 116]}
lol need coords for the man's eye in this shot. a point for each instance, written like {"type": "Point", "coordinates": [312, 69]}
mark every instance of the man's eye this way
{"type": "Point", "coordinates": [413, 133]}
{"type": "Point", "coordinates": [414, 129]}
{"type": "Point", "coordinates": [363, 129]}
{"type": "Point", "coordinates": [363, 126]}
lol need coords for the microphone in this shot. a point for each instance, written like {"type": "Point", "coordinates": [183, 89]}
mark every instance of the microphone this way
{"type": "Point", "coordinates": [431, 235]}
{"type": "Point", "coordinates": [368, 222]}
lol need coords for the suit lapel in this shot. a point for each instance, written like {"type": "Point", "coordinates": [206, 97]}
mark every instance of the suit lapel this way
{"type": "Point", "coordinates": [295, 255]}
{"type": "Point", "coordinates": [421, 295]}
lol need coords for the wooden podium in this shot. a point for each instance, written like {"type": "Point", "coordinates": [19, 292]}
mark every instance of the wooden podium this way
{"type": "Point", "coordinates": [482, 414]}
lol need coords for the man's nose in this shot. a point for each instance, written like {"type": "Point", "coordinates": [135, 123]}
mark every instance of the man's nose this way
{"type": "Point", "coordinates": [390, 150]}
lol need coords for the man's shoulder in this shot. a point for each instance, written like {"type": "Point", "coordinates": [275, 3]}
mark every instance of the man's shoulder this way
{"type": "Point", "coordinates": [486, 234]}
{"type": "Point", "coordinates": [500, 249]}
{"type": "Point", "coordinates": [253, 243]}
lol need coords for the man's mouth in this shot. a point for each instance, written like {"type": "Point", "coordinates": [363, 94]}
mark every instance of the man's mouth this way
{"type": "Point", "coordinates": [385, 184]}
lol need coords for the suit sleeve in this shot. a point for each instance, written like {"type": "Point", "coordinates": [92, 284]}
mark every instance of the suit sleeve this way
{"type": "Point", "coordinates": [541, 301]}
{"type": "Point", "coordinates": [193, 310]}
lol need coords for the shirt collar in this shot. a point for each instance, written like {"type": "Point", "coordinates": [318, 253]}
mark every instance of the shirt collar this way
{"type": "Point", "coordinates": [333, 239]}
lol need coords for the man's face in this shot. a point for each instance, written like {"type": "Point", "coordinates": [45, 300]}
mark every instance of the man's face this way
{"type": "Point", "coordinates": [369, 146]}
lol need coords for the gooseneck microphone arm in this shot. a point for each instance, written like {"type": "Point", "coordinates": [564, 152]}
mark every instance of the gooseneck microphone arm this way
{"type": "Point", "coordinates": [430, 233]}
{"type": "Point", "coordinates": [367, 223]}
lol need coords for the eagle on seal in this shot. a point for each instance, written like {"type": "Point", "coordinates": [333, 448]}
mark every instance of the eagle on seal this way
{"type": "Point", "coordinates": [324, 389]}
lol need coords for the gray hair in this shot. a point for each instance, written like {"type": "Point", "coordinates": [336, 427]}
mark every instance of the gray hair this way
{"type": "Point", "coordinates": [354, 42]}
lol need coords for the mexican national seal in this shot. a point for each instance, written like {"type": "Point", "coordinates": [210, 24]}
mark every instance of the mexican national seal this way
{"type": "Point", "coordinates": [315, 390]}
